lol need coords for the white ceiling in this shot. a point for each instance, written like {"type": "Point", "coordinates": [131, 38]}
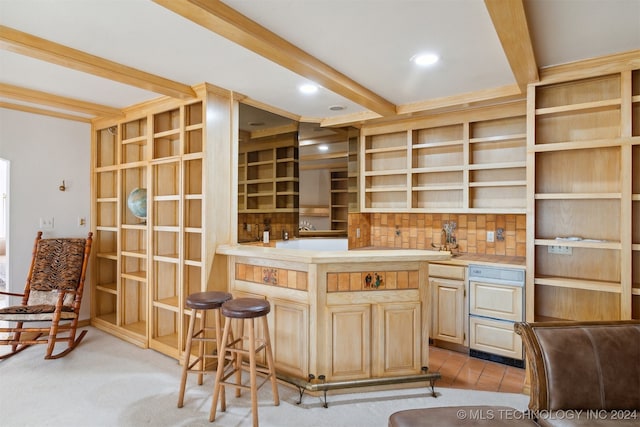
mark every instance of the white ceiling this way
{"type": "Point", "coordinates": [369, 41]}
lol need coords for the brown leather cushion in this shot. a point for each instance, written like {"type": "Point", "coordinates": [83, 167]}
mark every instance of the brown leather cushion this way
{"type": "Point", "coordinates": [245, 308]}
{"type": "Point", "coordinates": [497, 416]}
{"type": "Point", "coordinates": [207, 300]}
{"type": "Point", "coordinates": [592, 367]}
{"type": "Point", "coordinates": [595, 418]}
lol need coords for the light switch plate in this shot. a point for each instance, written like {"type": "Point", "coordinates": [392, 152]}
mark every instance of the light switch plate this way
{"type": "Point", "coordinates": [46, 223]}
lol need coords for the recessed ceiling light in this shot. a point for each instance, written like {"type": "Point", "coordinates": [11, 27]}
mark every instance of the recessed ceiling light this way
{"type": "Point", "coordinates": [424, 59]}
{"type": "Point", "coordinates": [256, 123]}
{"type": "Point", "coordinates": [308, 88]}
{"type": "Point", "coordinates": [337, 107]}
{"type": "Point", "coordinates": [323, 147]}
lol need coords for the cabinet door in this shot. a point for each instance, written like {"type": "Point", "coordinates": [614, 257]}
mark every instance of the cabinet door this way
{"type": "Point", "coordinates": [498, 301]}
{"type": "Point", "coordinates": [495, 337]}
{"type": "Point", "coordinates": [448, 310]}
{"type": "Point", "coordinates": [349, 341]}
{"type": "Point", "coordinates": [291, 337]}
{"type": "Point", "coordinates": [398, 339]}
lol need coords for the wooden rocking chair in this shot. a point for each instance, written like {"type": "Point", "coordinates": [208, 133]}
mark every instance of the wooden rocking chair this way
{"type": "Point", "coordinates": [52, 294]}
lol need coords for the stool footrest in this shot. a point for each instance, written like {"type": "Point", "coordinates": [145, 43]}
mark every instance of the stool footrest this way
{"type": "Point", "coordinates": [244, 350]}
{"type": "Point", "coordinates": [266, 378]}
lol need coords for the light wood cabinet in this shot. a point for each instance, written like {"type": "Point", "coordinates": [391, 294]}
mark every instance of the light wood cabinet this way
{"type": "Point", "coordinates": [146, 267]}
{"type": "Point", "coordinates": [449, 308]}
{"type": "Point", "coordinates": [291, 344]}
{"type": "Point", "coordinates": [495, 337]}
{"type": "Point", "coordinates": [351, 315]}
{"type": "Point", "coordinates": [583, 198]}
{"type": "Point", "coordinates": [350, 353]}
{"type": "Point", "coordinates": [472, 161]}
{"type": "Point", "coordinates": [383, 339]}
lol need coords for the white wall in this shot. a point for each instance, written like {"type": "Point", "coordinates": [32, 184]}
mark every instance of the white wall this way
{"type": "Point", "coordinates": [42, 152]}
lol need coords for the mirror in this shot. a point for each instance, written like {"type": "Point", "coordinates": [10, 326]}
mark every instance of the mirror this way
{"type": "Point", "coordinates": [328, 191]}
{"type": "Point", "coordinates": [294, 179]}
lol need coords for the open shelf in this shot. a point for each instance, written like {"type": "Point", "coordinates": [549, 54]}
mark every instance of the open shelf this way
{"type": "Point", "coordinates": [268, 174]}
{"type": "Point", "coordinates": [145, 267]}
{"type": "Point", "coordinates": [472, 166]}
{"type": "Point", "coordinates": [581, 200]}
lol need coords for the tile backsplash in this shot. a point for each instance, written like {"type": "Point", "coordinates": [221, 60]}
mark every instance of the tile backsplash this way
{"type": "Point", "coordinates": [277, 224]}
{"type": "Point", "coordinates": [419, 231]}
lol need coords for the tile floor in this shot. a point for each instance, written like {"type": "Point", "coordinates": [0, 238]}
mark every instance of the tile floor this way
{"type": "Point", "coordinates": [458, 370]}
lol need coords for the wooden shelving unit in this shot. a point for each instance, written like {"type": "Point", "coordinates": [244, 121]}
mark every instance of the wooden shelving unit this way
{"type": "Point", "coordinates": [268, 177]}
{"type": "Point", "coordinates": [339, 200]}
{"type": "Point", "coordinates": [497, 164]}
{"type": "Point", "coordinates": [635, 194]}
{"type": "Point", "coordinates": [146, 267]}
{"type": "Point", "coordinates": [437, 178]}
{"type": "Point", "coordinates": [583, 154]}
{"type": "Point", "coordinates": [466, 163]}
{"type": "Point", "coordinates": [353, 173]}
{"type": "Point", "coordinates": [384, 175]}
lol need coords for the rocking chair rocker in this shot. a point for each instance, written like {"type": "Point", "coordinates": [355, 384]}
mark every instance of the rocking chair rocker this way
{"type": "Point", "coordinates": [52, 294]}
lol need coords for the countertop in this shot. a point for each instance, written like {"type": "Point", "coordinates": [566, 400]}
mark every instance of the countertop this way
{"type": "Point", "coordinates": [498, 260]}
{"type": "Point", "coordinates": [326, 257]}
{"type": "Point", "coordinates": [465, 259]}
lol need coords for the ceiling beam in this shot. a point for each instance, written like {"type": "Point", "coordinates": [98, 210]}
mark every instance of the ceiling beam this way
{"type": "Point", "coordinates": [43, 112]}
{"type": "Point", "coordinates": [511, 25]}
{"type": "Point", "coordinates": [64, 103]}
{"type": "Point", "coordinates": [227, 22]}
{"type": "Point", "coordinates": [45, 50]}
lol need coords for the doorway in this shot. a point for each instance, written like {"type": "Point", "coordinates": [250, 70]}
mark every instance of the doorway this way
{"type": "Point", "coordinates": [4, 230]}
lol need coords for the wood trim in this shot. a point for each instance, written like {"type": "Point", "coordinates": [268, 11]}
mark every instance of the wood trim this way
{"type": "Point", "coordinates": [510, 23]}
{"type": "Point", "coordinates": [43, 112]}
{"type": "Point", "coordinates": [332, 165]}
{"type": "Point", "coordinates": [261, 105]}
{"type": "Point", "coordinates": [43, 98]}
{"type": "Point", "coordinates": [494, 95]}
{"type": "Point", "coordinates": [226, 22]}
{"type": "Point", "coordinates": [507, 109]}
{"type": "Point", "coordinates": [354, 119]}
{"type": "Point", "coordinates": [45, 50]}
{"type": "Point", "coordinates": [278, 130]}
{"type": "Point", "coordinates": [599, 66]}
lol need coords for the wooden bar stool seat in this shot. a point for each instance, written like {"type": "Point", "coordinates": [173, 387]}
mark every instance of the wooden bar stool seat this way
{"type": "Point", "coordinates": [247, 310]}
{"type": "Point", "coordinates": [200, 303]}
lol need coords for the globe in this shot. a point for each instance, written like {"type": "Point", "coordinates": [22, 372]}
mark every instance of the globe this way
{"type": "Point", "coordinates": [137, 202]}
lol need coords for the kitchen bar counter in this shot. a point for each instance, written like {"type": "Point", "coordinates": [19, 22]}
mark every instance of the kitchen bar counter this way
{"type": "Point", "coordinates": [347, 315]}
{"type": "Point", "coordinates": [494, 260]}
{"type": "Point", "coordinates": [325, 257]}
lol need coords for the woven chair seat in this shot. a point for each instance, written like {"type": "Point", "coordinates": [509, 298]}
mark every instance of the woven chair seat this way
{"type": "Point", "coordinates": [32, 313]}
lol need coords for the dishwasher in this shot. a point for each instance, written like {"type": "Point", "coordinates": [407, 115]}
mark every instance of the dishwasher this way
{"type": "Point", "coordinates": [496, 302]}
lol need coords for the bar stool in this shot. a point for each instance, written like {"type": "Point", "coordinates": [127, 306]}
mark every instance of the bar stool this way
{"type": "Point", "coordinates": [247, 310]}
{"type": "Point", "coordinates": [201, 302]}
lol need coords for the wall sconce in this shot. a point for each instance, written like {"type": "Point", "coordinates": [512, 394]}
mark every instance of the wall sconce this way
{"type": "Point", "coordinates": [62, 187]}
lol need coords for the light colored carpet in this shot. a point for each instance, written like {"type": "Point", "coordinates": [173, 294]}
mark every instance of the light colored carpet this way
{"type": "Point", "coordinates": [109, 382]}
